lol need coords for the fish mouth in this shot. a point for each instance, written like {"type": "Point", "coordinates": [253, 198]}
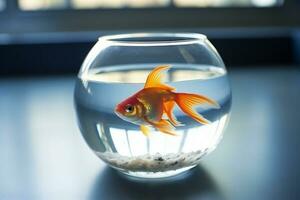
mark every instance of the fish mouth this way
{"type": "Point", "coordinates": [118, 112]}
{"type": "Point", "coordinates": [120, 115]}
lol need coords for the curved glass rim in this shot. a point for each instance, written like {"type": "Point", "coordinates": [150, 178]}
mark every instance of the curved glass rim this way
{"type": "Point", "coordinates": [182, 38]}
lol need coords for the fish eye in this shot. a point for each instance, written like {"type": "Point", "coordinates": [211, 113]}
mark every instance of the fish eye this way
{"type": "Point", "coordinates": [129, 108]}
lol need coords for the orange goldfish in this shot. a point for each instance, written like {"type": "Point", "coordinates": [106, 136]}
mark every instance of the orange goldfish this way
{"type": "Point", "coordinates": [147, 107]}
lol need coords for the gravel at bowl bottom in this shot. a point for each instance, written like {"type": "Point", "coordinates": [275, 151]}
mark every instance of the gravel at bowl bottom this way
{"type": "Point", "coordinates": [152, 163]}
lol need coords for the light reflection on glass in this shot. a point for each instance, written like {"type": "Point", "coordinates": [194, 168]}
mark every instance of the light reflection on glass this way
{"type": "Point", "coordinates": [119, 139]}
{"type": "Point", "coordinates": [139, 146]}
{"type": "Point", "coordinates": [131, 142]}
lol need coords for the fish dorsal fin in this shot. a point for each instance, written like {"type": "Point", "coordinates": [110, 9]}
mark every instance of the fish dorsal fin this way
{"type": "Point", "coordinates": [155, 77]}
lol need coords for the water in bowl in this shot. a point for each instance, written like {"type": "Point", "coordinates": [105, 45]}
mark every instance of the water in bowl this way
{"type": "Point", "coordinates": [122, 145]}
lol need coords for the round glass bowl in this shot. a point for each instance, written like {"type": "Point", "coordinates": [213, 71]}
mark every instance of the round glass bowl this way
{"type": "Point", "coordinates": [117, 67]}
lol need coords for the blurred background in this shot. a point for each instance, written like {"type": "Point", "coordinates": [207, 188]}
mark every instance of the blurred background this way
{"type": "Point", "coordinates": [42, 45]}
{"type": "Point", "coordinates": [59, 33]}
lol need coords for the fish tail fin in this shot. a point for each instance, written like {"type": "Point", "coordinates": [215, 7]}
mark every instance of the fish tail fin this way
{"type": "Point", "coordinates": [186, 102]}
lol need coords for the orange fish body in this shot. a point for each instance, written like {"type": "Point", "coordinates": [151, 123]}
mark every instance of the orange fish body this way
{"type": "Point", "coordinates": [147, 107]}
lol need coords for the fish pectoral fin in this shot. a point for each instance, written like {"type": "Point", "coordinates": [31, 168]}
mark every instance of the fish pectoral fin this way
{"type": "Point", "coordinates": [165, 127]}
{"type": "Point", "coordinates": [145, 130]}
{"type": "Point", "coordinates": [167, 131]}
{"type": "Point", "coordinates": [187, 101]}
{"type": "Point", "coordinates": [155, 77]}
{"type": "Point", "coordinates": [168, 109]}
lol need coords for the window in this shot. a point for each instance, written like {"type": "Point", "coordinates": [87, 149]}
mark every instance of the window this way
{"type": "Point", "coordinates": [119, 3]}
{"type": "Point", "coordinates": [42, 4]}
{"type": "Point", "coordinates": [224, 3]}
{"type": "Point", "coordinates": [140, 15]}
{"type": "Point", "coordinates": [84, 4]}
{"type": "Point", "coordinates": [90, 4]}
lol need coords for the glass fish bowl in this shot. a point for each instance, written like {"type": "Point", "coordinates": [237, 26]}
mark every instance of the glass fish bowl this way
{"type": "Point", "coordinates": [166, 135]}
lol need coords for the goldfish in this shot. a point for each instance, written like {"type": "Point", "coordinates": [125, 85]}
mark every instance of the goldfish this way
{"type": "Point", "coordinates": [153, 105]}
